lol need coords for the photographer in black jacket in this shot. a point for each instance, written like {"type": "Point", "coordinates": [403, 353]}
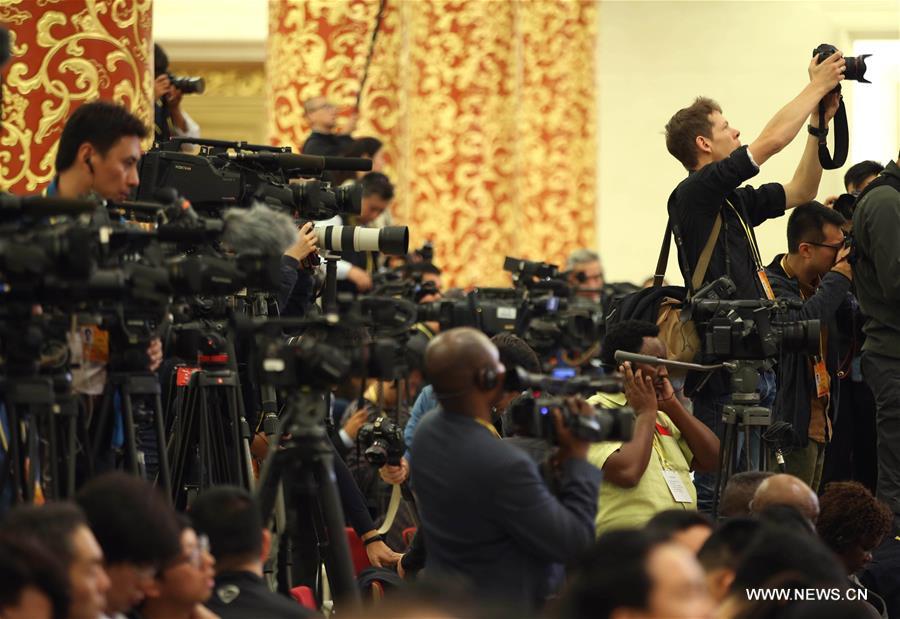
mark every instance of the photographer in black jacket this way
{"type": "Point", "coordinates": [815, 271]}
{"type": "Point", "coordinates": [486, 513]}
{"type": "Point", "coordinates": [710, 201]}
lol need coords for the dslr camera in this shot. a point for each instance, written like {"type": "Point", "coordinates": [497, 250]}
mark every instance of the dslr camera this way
{"type": "Point", "coordinates": [383, 440]}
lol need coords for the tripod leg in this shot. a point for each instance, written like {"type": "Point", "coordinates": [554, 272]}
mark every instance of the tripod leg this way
{"type": "Point", "coordinates": [71, 448]}
{"type": "Point", "coordinates": [726, 456]}
{"type": "Point", "coordinates": [128, 418]}
{"type": "Point", "coordinates": [165, 477]}
{"type": "Point", "coordinates": [340, 571]}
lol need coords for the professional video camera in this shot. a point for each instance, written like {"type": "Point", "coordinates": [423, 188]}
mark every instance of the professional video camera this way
{"type": "Point", "coordinates": [532, 415]}
{"type": "Point", "coordinates": [383, 440]}
{"type": "Point", "coordinates": [239, 174]}
{"type": "Point", "coordinates": [749, 329]}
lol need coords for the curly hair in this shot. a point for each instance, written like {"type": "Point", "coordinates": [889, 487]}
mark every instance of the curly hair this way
{"type": "Point", "coordinates": [850, 514]}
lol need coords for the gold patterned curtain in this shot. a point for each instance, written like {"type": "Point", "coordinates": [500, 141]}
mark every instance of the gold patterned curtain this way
{"type": "Point", "coordinates": [487, 110]}
{"type": "Point", "coordinates": [67, 52]}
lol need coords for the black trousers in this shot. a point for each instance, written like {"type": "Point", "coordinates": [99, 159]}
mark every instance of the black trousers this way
{"type": "Point", "coordinates": [883, 376]}
{"type": "Point", "coordinates": [851, 454]}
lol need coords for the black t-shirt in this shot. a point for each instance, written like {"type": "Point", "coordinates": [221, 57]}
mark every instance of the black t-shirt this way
{"type": "Point", "coordinates": [240, 595]}
{"type": "Point", "coordinates": [699, 198]}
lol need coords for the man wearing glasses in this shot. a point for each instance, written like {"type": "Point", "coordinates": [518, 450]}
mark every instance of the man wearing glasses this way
{"type": "Point", "coordinates": [815, 272]}
{"type": "Point", "coordinates": [325, 141]}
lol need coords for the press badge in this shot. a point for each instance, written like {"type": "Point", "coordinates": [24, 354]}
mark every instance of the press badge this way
{"type": "Point", "coordinates": [95, 344]}
{"type": "Point", "coordinates": [823, 380]}
{"type": "Point", "coordinates": [767, 287]}
{"type": "Point", "coordinates": [676, 487]}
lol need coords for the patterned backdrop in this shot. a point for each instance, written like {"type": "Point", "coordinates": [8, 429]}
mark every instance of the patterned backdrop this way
{"type": "Point", "coordinates": [67, 52]}
{"type": "Point", "coordinates": [487, 109]}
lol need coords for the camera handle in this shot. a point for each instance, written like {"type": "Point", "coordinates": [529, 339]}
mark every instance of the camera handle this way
{"type": "Point", "coordinates": [329, 294]}
{"type": "Point", "coordinates": [841, 135]}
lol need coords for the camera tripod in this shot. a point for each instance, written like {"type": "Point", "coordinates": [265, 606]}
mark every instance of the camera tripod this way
{"type": "Point", "coordinates": [742, 412]}
{"type": "Point", "coordinates": [209, 437]}
{"type": "Point", "coordinates": [302, 470]}
{"type": "Point", "coordinates": [134, 390]}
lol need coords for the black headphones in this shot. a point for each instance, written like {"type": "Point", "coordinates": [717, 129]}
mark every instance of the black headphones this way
{"type": "Point", "coordinates": [486, 379]}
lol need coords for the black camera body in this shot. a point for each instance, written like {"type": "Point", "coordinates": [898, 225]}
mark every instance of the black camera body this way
{"type": "Point", "coordinates": [856, 65]}
{"type": "Point", "coordinates": [383, 441]}
{"type": "Point", "coordinates": [188, 85]}
{"type": "Point", "coordinates": [532, 416]}
{"type": "Point", "coordinates": [749, 329]}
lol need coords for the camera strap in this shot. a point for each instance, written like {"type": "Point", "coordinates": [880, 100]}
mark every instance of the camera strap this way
{"type": "Point", "coordinates": [841, 137]}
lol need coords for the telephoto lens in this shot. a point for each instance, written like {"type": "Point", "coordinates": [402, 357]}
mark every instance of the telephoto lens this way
{"type": "Point", "coordinates": [392, 240]}
{"type": "Point", "coordinates": [189, 85]}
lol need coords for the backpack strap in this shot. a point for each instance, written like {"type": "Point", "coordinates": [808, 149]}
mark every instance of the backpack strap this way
{"type": "Point", "coordinates": [706, 254]}
{"type": "Point", "coordinates": [702, 263]}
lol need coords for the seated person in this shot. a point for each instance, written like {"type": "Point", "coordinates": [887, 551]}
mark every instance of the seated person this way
{"type": "Point", "coordinates": [783, 489]}
{"type": "Point", "coordinates": [33, 584]}
{"type": "Point", "coordinates": [652, 472]}
{"type": "Point", "coordinates": [739, 492]}
{"type": "Point", "coordinates": [689, 528]}
{"type": "Point", "coordinates": [486, 514]}
{"type": "Point", "coordinates": [231, 518]}
{"type": "Point", "coordinates": [853, 523]}
{"type": "Point", "coordinates": [62, 528]}
{"type": "Point", "coordinates": [632, 574]}
{"type": "Point", "coordinates": [181, 587]}
{"type": "Point", "coordinates": [117, 507]}
{"type": "Point", "coordinates": [721, 554]}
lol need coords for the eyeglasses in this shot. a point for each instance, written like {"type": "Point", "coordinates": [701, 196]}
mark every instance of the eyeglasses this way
{"type": "Point", "coordinates": [194, 557]}
{"type": "Point", "coordinates": [836, 246]}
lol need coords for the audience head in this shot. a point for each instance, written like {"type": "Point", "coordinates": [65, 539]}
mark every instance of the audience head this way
{"type": "Point", "coordinates": [377, 193]}
{"type": "Point", "coordinates": [739, 492]}
{"type": "Point", "coordinates": [137, 530]}
{"type": "Point", "coordinates": [688, 528]}
{"type": "Point", "coordinates": [33, 583]}
{"type": "Point", "coordinates": [321, 114]}
{"type": "Point", "coordinates": [230, 517]}
{"type": "Point", "coordinates": [632, 574]}
{"type": "Point", "coordinates": [783, 489]}
{"type": "Point", "coordinates": [585, 271]}
{"type": "Point", "coordinates": [721, 554]}
{"type": "Point", "coordinates": [699, 134]}
{"type": "Point", "coordinates": [464, 367]}
{"type": "Point", "coordinates": [635, 336]}
{"type": "Point", "coordinates": [787, 517]}
{"type": "Point", "coordinates": [99, 150]}
{"type": "Point", "coordinates": [777, 553]}
{"type": "Point", "coordinates": [852, 522]}
{"type": "Point", "coordinates": [815, 236]}
{"type": "Point", "coordinates": [859, 175]}
{"type": "Point", "coordinates": [184, 582]}
{"type": "Point", "coordinates": [63, 528]}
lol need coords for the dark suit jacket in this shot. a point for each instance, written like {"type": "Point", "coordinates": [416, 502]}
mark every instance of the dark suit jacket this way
{"type": "Point", "coordinates": [487, 515]}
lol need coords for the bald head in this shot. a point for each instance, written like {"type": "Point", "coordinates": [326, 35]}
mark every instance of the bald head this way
{"type": "Point", "coordinates": [785, 489]}
{"type": "Point", "coordinates": [454, 360]}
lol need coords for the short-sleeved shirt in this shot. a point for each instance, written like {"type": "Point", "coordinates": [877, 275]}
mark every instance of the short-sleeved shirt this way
{"type": "Point", "coordinates": [697, 201]}
{"type": "Point", "coordinates": [619, 507]}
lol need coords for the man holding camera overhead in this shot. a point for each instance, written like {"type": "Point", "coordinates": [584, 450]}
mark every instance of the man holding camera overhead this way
{"type": "Point", "coordinates": [709, 206]}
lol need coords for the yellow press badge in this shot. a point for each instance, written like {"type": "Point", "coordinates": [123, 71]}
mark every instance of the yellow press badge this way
{"type": "Point", "coordinates": [95, 344]}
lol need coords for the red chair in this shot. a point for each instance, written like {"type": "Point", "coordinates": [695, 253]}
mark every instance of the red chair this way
{"type": "Point", "coordinates": [357, 552]}
{"type": "Point", "coordinates": [305, 597]}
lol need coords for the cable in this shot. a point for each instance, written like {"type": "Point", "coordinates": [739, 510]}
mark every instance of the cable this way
{"type": "Point", "coordinates": [365, 75]}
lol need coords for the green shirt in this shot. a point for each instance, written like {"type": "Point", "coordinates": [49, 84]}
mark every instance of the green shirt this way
{"type": "Point", "coordinates": [621, 508]}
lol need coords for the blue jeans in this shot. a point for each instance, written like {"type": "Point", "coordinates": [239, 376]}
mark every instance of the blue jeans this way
{"type": "Point", "coordinates": [708, 409]}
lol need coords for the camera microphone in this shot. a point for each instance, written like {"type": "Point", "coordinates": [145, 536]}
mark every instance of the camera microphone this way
{"type": "Point", "coordinates": [303, 164]}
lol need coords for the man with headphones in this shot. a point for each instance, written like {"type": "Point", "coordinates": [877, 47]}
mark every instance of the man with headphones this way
{"type": "Point", "coordinates": [486, 514]}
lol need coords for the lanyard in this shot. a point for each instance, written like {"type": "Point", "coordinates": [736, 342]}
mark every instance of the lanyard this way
{"type": "Point", "coordinates": [753, 248]}
{"type": "Point", "coordinates": [489, 426]}
{"type": "Point", "coordinates": [657, 447]}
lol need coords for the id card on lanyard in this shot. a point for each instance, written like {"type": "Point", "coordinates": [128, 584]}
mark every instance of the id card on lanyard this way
{"type": "Point", "coordinates": [754, 250]}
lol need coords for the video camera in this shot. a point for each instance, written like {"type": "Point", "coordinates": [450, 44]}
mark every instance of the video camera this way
{"type": "Point", "coordinates": [749, 329]}
{"type": "Point", "coordinates": [532, 415]}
